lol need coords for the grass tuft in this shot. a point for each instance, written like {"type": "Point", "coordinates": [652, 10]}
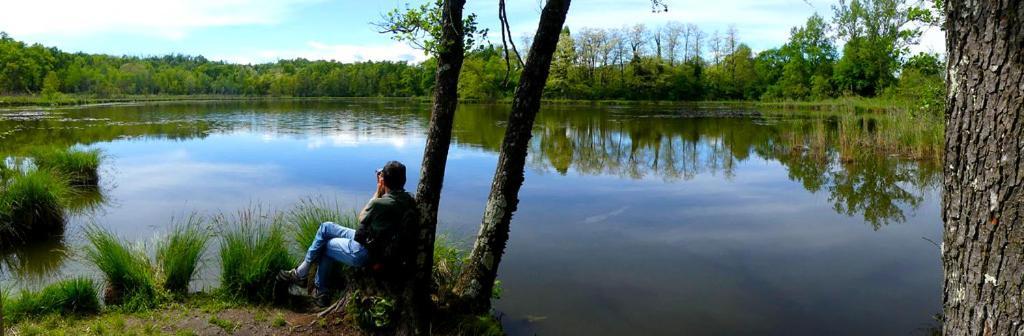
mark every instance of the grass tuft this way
{"type": "Point", "coordinates": [76, 296]}
{"type": "Point", "coordinates": [253, 250]}
{"type": "Point", "coordinates": [32, 205]}
{"type": "Point", "coordinates": [80, 166]}
{"type": "Point", "coordinates": [226, 325]}
{"type": "Point", "coordinates": [129, 275]}
{"type": "Point", "coordinates": [304, 219]}
{"type": "Point", "coordinates": [179, 254]}
{"type": "Point", "coordinates": [279, 321]}
{"type": "Point", "coordinates": [449, 259]}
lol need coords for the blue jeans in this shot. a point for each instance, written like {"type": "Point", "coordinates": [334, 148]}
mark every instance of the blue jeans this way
{"type": "Point", "coordinates": [338, 243]}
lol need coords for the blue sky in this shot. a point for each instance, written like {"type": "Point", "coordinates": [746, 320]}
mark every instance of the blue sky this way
{"type": "Point", "coordinates": [245, 31]}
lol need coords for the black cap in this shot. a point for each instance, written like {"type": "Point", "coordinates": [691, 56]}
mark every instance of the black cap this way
{"type": "Point", "coordinates": [394, 175]}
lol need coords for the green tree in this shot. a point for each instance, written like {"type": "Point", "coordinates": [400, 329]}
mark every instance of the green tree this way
{"type": "Point", "coordinates": [877, 33]}
{"type": "Point", "coordinates": [483, 76]}
{"type": "Point", "coordinates": [51, 86]}
{"type": "Point", "coordinates": [922, 80]}
{"type": "Point", "coordinates": [560, 82]}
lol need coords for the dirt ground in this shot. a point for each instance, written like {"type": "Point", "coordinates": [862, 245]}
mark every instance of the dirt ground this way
{"type": "Point", "coordinates": [189, 320]}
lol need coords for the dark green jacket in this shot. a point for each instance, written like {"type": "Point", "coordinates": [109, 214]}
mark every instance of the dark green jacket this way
{"type": "Point", "coordinates": [383, 220]}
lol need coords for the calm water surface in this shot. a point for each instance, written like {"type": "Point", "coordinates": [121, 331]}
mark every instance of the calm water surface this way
{"type": "Point", "coordinates": [633, 220]}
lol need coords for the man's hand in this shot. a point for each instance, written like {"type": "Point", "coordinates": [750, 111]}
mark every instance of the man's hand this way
{"type": "Point", "coordinates": [380, 187]}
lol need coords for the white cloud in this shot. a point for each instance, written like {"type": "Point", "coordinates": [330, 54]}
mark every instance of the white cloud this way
{"type": "Point", "coordinates": [170, 19]}
{"type": "Point", "coordinates": [399, 142]}
{"type": "Point", "coordinates": [339, 52]}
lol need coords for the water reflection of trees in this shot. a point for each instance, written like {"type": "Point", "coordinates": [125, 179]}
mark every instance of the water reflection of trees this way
{"type": "Point", "coordinates": [183, 121]}
{"type": "Point", "coordinates": [636, 142]}
{"type": "Point", "coordinates": [875, 187]}
{"type": "Point", "coordinates": [64, 132]}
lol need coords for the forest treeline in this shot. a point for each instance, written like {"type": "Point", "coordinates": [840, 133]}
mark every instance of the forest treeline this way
{"type": "Point", "coordinates": [674, 61]}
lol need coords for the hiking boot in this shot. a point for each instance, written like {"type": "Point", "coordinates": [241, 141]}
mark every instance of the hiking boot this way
{"type": "Point", "coordinates": [291, 277]}
{"type": "Point", "coordinates": [322, 299]}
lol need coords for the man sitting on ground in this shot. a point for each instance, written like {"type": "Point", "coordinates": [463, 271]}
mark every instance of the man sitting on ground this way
{"type": "Point", "coordinates": [369, 245]}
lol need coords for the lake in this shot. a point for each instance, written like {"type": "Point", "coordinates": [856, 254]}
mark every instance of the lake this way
{"type": "Point", "coordinates": [643, 220]}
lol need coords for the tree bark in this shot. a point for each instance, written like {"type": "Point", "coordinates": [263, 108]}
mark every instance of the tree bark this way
{"type": "Point", "coordinates": [473, 291]}
{"type": "Point", "coordinates": [435, 157]}
{"type": "Point", "coordinates": [983, 192]}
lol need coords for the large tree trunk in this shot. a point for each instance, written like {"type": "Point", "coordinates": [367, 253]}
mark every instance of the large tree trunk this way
{"type": "Point", "coordinates": [435, 155]}
{"type": "Point", "coordinates": [983, 199]}
{"type": "Point", "coordinates": [473, 291]}
{"type": "Point", "coordinates": [412, 286]}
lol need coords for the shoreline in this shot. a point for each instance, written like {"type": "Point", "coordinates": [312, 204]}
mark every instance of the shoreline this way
{"type": "Point", "coordinates": [856, 104]}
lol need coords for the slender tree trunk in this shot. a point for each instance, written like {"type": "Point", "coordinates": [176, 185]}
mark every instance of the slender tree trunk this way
{"type": "Point", "coordinates": [983, 199]}
{"type": "Point", "coordinates": [473, 291]}
{"type": "Point", "coordinates": [435, 155]}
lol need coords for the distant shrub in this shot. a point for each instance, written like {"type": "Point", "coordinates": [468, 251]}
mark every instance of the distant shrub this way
{"type": "Point", "coordinates": [76, 296]}
{"type": "Point", "coordinates": [81, 167]}
{"type": "Point", "coordinates": [179, 254]}
{"type": "Point", "coordinates": [253, 250]}
{"type": "Point", "coordinates": [130, 280]}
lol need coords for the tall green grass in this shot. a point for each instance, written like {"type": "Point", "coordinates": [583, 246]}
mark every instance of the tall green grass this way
{"type": "Point", "coordinates": [81, 167]}
{"type": "Point", "coordinates": [449, 259]}
{"type": "Point", "coordinates": [5, 171]}
{"type": "Point", "coordinates": [253, 250]}
{"type": "Point", "coordinates": [900, 131]}
{"type": "Point", "coordinates": [32, 205]}
{"type": "Point", "coordinates": [179, 253]}
{"type": "Point", "coordinates": [76, 296]}
{"type": "Point", "coordinates": [130, 280]}
{"type": "Point", "coordinates": [304, 219]}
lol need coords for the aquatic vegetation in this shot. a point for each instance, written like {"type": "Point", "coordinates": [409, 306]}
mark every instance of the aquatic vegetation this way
{"type": "Point", "coordinates": [901, 133]}
{"type": "Point", "coordinates": [32, 205]}
{"type": "Point", "coordinates": [179, 253]}
{"type": "Point", "coordinates": [76, 296]}
{"type": "Point", "coordinates": [879, 125]}
{"type": "Point", "coordinates": [79, 166]}
{"type": "Point", "coordinates": [130, 280]}
{"type": "Point", "coordinates": [33, 200]}
{"type": "Point", "coordinates": [253, 250]}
